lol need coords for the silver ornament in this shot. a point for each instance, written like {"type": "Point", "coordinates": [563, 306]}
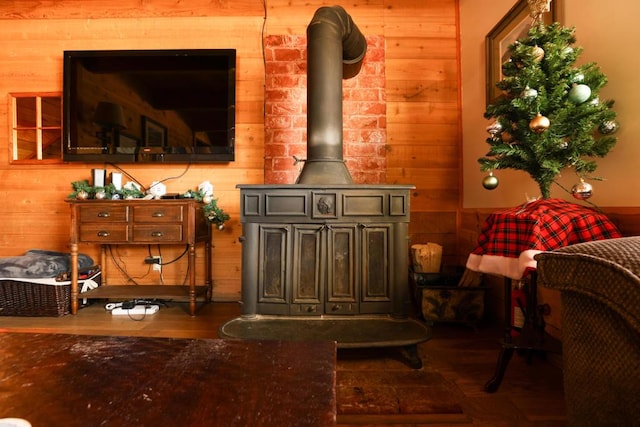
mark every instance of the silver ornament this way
{"type": "Point", "coordinates": [530, 93]}
{"type": "Point", "coordinates": [494, 128]}
{"type": "Point", "coordinates": [608, 127]}
{"type": "Point", "coordinates": [582, 190]}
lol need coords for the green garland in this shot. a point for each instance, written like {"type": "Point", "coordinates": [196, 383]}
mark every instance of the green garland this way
{"type": "Point", "coordinates": [83, 190]}
{"type": "Point", "coordinates": [212, 211]}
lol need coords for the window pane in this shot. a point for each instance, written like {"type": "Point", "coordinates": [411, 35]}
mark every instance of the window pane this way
{"type": "Point", "coordinates": [26, 112]}
{"type": "Point", "coordinates": [27, 143]}
{"type": "Point", "coordinates": [51, 111]}
{"type": "Point", "coordinates": [51, 144]}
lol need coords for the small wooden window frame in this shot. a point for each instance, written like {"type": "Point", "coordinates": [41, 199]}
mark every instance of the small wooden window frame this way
{"type": "Point", "coordinates": [38, 128]}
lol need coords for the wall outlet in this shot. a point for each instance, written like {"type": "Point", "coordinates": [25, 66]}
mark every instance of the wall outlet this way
{"type": "Point", "coordinates": [155, 261]}
{"type": "Point", "coordinates": [157, 265]}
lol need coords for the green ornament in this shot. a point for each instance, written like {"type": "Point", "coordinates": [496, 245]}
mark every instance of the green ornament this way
{"type": "Point", "coordinates": [579, 93]}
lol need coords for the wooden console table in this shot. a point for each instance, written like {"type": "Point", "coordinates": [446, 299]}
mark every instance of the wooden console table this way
{"type": "Point", "coordinates": [140, 222]}
{"type": "Point", "coordinates": [73, 380]}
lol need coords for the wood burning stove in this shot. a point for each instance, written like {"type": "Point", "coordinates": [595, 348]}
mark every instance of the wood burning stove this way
{"type": "Point", "coordinates": [325, 258]}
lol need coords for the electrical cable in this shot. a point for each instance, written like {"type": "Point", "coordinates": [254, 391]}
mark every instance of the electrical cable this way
{"type": "Point", "coordinates": [142, 187]}
{"type": "Point", "coordinates": [123, 270]}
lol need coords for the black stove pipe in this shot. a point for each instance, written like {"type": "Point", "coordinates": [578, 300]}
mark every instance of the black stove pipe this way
{"type": "Point", "coordinates": [335, 50]}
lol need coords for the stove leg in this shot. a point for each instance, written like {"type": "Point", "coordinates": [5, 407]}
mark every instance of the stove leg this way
{"type": "Point", "coordinates": [412, 356]}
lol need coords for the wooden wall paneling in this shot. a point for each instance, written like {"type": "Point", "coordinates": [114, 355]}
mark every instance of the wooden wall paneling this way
{"type": "Point", "coordinates": [421, 89]}
{"type": "Point", "coordinates": [416, 156]}
{"type": "Point", "coordinates": [285, 17]}
{"type": "Point", "coordinates": [423, 133]}
{"type": "Point", "coordinates": [627, 219]}
{"type": "Point", "coordinates": [421, 47]}
{"type": "Point", "coordinates": [100, 9]}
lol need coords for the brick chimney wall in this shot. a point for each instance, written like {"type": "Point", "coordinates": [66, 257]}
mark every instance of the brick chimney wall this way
{"type": "Point", "coordinates": [364, 112]}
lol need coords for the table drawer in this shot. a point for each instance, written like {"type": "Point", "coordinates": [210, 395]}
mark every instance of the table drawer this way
{"type": "Point", "coordinates": [157, 233]}
{"type": "Point", "coordinates": [104, 233]}
{"type": "Point", "coordinates": [104, 213]}
{"type": "Point", "coordinates": [156, 213]}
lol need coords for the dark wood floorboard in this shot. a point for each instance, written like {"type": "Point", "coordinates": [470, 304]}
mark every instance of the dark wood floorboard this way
{"type": "Point", "coordinates": [530, 395]}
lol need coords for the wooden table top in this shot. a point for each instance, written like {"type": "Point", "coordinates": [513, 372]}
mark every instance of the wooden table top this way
{"type": "Point", "coordinates": [75, 380]}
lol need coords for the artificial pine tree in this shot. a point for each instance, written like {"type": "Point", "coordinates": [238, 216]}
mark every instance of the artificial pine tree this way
{"type": "Point", "coordinates": [550, 116]}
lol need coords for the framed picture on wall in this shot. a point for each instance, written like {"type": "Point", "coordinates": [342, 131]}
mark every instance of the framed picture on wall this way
{"type": "Point", "coordinates": [153, 133]}
{"type": "Point", "coordinates": [513, 26]}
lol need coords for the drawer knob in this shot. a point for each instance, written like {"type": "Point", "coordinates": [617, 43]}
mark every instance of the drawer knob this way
{"type": "Point", "coordinates": [157, 214]}
{"type": "Point", "coordinates": [103, 233]}
{"type": "Point", "coordinates": [104, 214]}
{"type": "Point", "coordinates": [156, 234]}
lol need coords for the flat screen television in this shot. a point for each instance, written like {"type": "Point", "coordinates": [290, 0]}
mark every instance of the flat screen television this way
{"type": "Point", "coordinates": [149, 106]}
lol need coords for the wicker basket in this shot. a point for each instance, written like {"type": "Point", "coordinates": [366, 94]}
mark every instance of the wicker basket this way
{"type": "Point", "coordinates": [39, 297]}
{"type": "Point", "coordinates": [439, 298]}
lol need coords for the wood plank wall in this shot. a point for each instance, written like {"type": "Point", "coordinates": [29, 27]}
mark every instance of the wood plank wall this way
{"type": "Point", "coordinates": [423, 117]}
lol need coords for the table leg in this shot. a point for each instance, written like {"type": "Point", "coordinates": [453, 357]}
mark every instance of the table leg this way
{"type": "Point", "coordinates": [208, 271]}
{"type": "Point", "coordinates": [503, 361]}
{"type": "Point", "coordinates": [74, 278]}
{"type": "Point", "coordinates": [192, 279]}
{"type": "Point", "coordinates": [507, 350]}
{"type": "Point", "coordinates": [531, 337]}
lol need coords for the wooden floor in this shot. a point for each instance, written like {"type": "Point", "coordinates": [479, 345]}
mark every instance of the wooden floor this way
{"type": "Point", "coordinates": [531, 395]}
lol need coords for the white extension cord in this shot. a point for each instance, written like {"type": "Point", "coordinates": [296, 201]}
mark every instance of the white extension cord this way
{"type": "Point", "coordinates": [136, 310]}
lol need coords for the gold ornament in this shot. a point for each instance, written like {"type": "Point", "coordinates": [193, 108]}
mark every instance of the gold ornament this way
{"type": "Point", "coordinates": [539, 123]}
{"type": "Point", "coordinates": [506, 137]}
{"type": "Point", "coordinates": [537, 8]}
{"type": "Point", "coordinates": [582, 190]}
{"type": "Point", "coordinates": [82, 195]}
{"type": "Point", "coordinates": [538, 53]}
{"type": "Point", "coordinates": [490, 182]}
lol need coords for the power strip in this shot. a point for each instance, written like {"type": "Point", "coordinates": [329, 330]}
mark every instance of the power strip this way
{"type": "Point", "coordinates": [136, 310]}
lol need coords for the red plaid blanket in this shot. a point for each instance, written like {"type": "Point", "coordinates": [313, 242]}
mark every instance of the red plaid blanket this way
{"type": "Point", "coordinates": [542, 225]}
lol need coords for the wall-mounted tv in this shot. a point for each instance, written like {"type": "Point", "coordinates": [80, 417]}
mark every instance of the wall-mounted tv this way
{"type": "Point", "coordinates": [149, 106]}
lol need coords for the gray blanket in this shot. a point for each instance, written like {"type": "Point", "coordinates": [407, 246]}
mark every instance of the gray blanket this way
{"type": "Point", "coordinates": [38, 263]}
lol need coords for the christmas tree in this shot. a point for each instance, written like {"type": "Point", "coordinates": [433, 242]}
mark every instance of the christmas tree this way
{"type": "Point", "coordinates": [549, 117]}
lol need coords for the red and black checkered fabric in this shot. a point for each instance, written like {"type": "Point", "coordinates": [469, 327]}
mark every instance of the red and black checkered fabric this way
{"type": "Point", "coordinates": [543, 225]}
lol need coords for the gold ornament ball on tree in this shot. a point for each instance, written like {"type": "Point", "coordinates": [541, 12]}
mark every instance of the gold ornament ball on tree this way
{"type": "Point", "coordinates": [539, 123]}
{"type": "Point", "coordinates": [538, 53]}
{"type": "Point", "coordinates": [490, 182]}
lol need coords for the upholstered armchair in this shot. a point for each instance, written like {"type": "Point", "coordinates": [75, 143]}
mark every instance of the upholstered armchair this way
{"type": "Point", "coordinates": [599, 284]}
